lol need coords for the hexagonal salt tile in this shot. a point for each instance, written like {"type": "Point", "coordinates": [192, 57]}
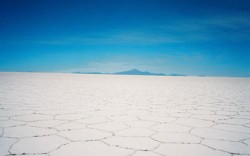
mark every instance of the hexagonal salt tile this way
{"type": "Point", "coordinates": [13, 113]}
{"type": "Point", "coordinates": [159, 119]}
{"type": "Point", "coordinates": [179, 114]}
{"type": "Point", "coordinates": [110, 126]}
{"type": "Point", "coordinates": [138, 112]}
{"type": "Point", "coordinates": [210, 133]}
{"type": "Point", "coordinates": [10, 123]}
{"type": "Point", "coordinates": [171, 127]}
{"type": "Point", "coordinates": [123, 118]}
{"type": "Point", "coordinates": [94, 120]}
{"type": "Point", "coordinates": [231, 147]}
{"type": "Point", "coordinates": [234, 121]}
{"type": "Point", "coordinates": [85, 134]}
{"type": "Point", "coordinates": [232, 128]}
{"type": "Point", "coordinates": [141, 124]}
{"type": "Point", "coordinates": [45, 124]}
{"type": "Point", "coordinates": [137, 143]}
{"type": "Point", "coordinates": [247, 117]}
{"type": "Point", "coordinates": [210, 117]}
{"type": "Point", "coordinates": [201, 112]}
{"type": "Point", "coordinates": [107, 113]}
{"type": "Point", "coordinates": [5, 144]}
{"type": "Point", "coordinates": [70, 126]}
{"type": "Point", "coordinates": [227, 113]}
{"type": "Point", "coordinates": [92, 148]}
{"type": "Point", "coordinates": [188, 149]}
{"type": "Point", "coordinates": [69, 117]}
{"type": "Point", "coordinates": [135, 132]}
{"type": "Point", "coordinates": [37, 144]}
{"type": "Point", "coordinates": [26, 131]}
{"type": "Point", "coordinates": [33, 117]}
{"type": "Point", "coordinates": [176, 138]}
{"type": "Point", "coordinates": [194, 122]}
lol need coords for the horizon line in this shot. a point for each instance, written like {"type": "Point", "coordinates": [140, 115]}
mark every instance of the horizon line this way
{"type": "Point", "coordinates": [89, 73]}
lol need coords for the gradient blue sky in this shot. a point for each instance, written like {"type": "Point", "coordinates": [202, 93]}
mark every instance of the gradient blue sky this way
{"type": "Point", "coordinates": [205, 37]}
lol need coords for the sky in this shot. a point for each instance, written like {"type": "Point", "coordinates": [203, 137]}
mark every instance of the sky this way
{"type": "Point", "coordinates": [194, 37]}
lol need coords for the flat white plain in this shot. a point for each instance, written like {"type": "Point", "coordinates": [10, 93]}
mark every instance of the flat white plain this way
{"type": "Point", "coordinates": [48, 114]}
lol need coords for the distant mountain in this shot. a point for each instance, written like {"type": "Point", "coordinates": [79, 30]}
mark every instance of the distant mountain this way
{"type": "Point", "coordinates": [95, 73]}
{"type": "Point", "coordinates": [176, 75]}
{"type": "Point", "coordinates": [137, 72]}
{"type": "Point", "coordinates": [89, 73]}
{"type": "Point", "coordinates": [132, 72]}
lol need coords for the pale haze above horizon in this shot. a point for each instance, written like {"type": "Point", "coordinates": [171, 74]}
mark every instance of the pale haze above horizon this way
{"type": "Point", "coordinates": [195, 37]}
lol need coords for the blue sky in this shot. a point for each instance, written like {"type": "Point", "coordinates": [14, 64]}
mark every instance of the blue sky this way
{"type": "Point", "coordinates": [205, 37]}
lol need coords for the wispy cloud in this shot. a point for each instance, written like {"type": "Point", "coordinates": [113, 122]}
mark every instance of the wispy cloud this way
{"type": "Point", "coordinates": [114, 37]}
{"type": "Point", "coordinates": [227, 28]}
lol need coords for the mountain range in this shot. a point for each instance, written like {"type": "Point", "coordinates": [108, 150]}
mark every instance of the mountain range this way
{"type": "Point", "coordinates": [132, 72]}
{"type": "Point", "coordinates": [137, 72]}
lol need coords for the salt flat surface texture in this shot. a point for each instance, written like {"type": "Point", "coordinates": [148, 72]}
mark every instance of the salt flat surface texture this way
{"type": "Point", "coordinates": [109, 115]}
